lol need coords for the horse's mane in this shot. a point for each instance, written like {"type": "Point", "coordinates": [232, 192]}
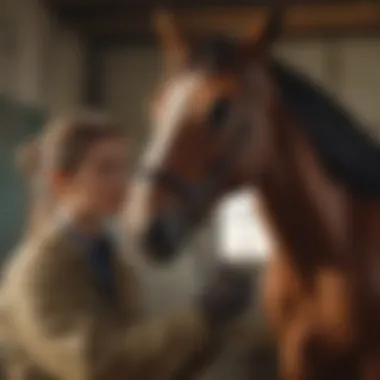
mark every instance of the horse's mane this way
{"type": "Point", "coordinates": [347, 152]}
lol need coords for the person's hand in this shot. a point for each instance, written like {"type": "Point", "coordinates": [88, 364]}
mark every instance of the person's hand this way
{"type": "Point", "coordinates": [227, 296]}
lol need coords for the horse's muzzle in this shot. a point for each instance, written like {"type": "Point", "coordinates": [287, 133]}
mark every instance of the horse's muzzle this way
{"type": "Point", "coordinates": [165, 237]}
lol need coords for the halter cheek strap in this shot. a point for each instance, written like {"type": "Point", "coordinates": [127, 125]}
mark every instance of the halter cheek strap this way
{"type": "Point", "coordinates": [199, 194]}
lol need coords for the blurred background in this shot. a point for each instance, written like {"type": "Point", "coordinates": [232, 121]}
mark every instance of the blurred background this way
{"type": "Point", "coordinates": [60, 55]}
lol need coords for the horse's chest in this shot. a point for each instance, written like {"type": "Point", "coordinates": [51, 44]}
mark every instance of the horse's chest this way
{"type": "Point", "coordinates": [367, 294]}
{"type": "Point", "coordinates": [366, 254]}
{"type": "Point", "coordinates": [332, 304]}
{"type": "Point", "coordinates": [347, 307]}
{"type": "Point", "coordinates": [372, 279]}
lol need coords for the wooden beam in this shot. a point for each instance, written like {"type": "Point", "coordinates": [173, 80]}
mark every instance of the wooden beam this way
{"type": "Point", "coordinates": [300, 20]}
{"type": "Point", "coordinates": [178, 4]}
{"type": "Point", "coordinates": [82, 3]}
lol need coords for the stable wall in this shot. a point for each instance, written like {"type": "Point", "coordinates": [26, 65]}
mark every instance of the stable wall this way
{"type": "Point", "coordinates": [41, 74]}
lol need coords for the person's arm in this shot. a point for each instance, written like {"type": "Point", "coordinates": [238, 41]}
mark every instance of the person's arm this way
{"type": "Point", "coordinates": [57, 321]}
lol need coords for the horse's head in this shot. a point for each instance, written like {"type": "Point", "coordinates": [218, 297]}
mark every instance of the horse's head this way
{"type": "Point", "coordinates": [208, 133]}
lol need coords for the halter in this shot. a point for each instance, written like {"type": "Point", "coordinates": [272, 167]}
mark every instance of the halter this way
{"type": "Point", "coordinates": [199, 194]}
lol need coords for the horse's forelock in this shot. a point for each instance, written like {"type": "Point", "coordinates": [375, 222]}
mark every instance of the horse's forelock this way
{"type": "Point", "coordinates": [217, 54]}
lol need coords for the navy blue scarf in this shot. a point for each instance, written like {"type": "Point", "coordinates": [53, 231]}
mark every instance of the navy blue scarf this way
{"type": "Point", "coordinates": [102, 262]}
{"type": "Point", "coordinates": [100, 252]}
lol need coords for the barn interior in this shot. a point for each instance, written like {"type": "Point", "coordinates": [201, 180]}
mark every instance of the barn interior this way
{"type": "Point", "coordinates": [57, 56]}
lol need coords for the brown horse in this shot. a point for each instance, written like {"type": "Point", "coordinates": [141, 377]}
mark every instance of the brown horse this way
{"type": "Point", "coordinates": [227, 116]}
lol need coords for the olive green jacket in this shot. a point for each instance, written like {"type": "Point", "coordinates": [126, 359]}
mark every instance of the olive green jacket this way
{"type": "Point", "coordinates": [56, 323]}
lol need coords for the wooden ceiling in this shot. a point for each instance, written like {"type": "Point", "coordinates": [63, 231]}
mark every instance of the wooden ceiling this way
{"type": "Point", "coordinates": [130, 20]}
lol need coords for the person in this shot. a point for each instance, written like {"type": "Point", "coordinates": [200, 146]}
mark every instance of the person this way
{"type": "Point", "coordinates": [70, 300]}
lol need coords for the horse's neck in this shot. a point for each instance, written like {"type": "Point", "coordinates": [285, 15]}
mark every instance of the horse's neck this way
{"type": "Point", "coordinates": [307, 210]}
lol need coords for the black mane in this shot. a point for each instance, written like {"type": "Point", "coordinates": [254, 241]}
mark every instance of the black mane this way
{"type": "Point", "coordinates": [347, 152]}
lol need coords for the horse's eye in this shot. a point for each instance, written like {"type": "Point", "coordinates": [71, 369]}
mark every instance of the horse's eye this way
{"type": "Point", "coordinates": [219, 113]}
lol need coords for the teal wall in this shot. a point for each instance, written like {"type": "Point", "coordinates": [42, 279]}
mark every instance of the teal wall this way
{"type": "Point", "coordinates": [17, 123]}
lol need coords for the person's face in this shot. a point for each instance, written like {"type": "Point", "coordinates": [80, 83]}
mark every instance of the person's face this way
{"type": "Point", "coordinates": [99, 184]}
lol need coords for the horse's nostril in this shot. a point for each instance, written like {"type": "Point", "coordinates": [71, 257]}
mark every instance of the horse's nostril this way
{"type": "Point", "coordinates": [155, 235]}
{"type": "Point", "coordinates": [160, 241]}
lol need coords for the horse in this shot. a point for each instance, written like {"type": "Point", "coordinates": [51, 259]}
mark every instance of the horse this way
{"type": "Point", "coordinates": [228, 115]}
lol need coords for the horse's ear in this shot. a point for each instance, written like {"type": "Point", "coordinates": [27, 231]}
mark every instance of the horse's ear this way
{"type": "Point", "coordinates": [259, 41]}
{"type": "Point", "coordinates": [173, 41]}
